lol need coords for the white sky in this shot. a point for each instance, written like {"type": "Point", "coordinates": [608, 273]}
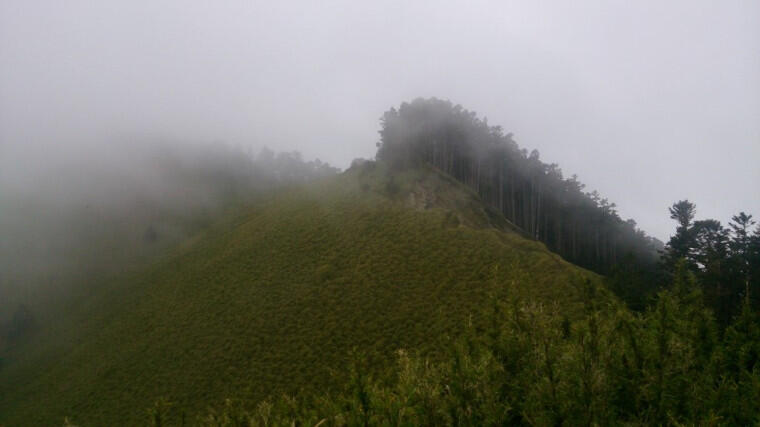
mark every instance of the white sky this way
{"type": "Point", "coordinates": [648, 101]}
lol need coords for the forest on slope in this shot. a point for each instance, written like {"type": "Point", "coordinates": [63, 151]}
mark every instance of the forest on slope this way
{"type": "Point", "coordinates": [582, 227]}
{"type": "Point", "coordinates": [689, 354]}
{"type": "Point", "coordinates": [293, 309]}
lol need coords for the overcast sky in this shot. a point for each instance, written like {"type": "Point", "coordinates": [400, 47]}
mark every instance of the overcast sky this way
{"type": "Point", "coordinates": [647, 101]}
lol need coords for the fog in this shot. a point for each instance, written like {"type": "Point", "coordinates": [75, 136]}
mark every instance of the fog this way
{"type": "Point", "coordinates": [648, 102]}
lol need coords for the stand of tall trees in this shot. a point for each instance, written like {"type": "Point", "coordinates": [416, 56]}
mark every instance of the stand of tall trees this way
{"type": "Point", "coordinates": [581, 226]}
{"type": "Point", "coordinates": [726, 261]}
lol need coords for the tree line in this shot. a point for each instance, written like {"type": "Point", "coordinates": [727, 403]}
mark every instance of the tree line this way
{"type": "Point", "coordinates": [725, 260]}
{"type": "Point", "coordinates": [583, 227]}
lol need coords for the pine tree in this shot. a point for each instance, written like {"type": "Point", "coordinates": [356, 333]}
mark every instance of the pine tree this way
{"type": "Point", "coordinates": [681, 244]}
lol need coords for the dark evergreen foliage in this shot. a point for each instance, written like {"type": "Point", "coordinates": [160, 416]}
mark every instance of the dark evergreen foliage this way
{"type": "Point", "coordinates": [582, 227]}
{"type": "Point", "coordinates": [724, 260]}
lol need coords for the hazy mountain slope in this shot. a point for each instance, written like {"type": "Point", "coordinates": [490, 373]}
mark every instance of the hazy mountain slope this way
{"type": "Point", "coordinates": [276, 299]}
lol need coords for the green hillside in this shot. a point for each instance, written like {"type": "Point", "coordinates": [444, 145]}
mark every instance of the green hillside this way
{"type": "Point", "coordinates": [276, 298]}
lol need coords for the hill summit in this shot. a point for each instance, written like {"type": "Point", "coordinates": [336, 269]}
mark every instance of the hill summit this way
{"type": "Point", "coordinates": [277, 298]}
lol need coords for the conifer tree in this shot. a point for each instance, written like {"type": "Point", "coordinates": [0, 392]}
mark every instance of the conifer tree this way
{"type": "Point", "coordinates": [681, 244]}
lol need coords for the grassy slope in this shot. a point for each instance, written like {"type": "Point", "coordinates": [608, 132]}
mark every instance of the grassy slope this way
{"type": "Point", "coordinates": [274, 301]}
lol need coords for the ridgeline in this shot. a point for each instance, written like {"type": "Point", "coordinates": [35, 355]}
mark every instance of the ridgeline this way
{"type": "Point", "coordinates": [433, 286]}
{"type": "Point", "coordinates": [275, 301]}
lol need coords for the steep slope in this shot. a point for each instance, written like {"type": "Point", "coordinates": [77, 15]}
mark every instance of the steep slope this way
{"type": "Point", "coordinates": [275, 300]}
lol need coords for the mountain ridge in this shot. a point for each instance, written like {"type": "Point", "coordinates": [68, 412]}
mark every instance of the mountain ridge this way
{"type": "Point", "coordinates": [274, 300]}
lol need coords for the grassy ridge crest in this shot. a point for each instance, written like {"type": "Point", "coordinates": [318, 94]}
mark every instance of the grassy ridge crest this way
{"type": "Point", "coordinates": [274, 300]}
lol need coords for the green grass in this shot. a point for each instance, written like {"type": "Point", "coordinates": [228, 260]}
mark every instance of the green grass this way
{"type": "Point", "coordinates": [275, 299]}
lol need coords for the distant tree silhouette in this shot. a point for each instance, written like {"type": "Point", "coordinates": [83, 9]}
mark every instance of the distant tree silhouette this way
{"type": "Point", "coordinates": [681, 244]}
{"type": "Point", "coordinates": [583, 227]}
{"type": "Point", "coordinates": [724, 260]}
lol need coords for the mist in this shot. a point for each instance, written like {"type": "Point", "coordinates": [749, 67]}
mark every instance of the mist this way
{"type": "Point", "coordinates": [342, 212]}
{"type": "Point", "coordinates": [648, 103]}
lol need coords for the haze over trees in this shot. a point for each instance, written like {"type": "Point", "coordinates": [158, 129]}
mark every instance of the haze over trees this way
{"type": "Point", "coordinates": [85, 222]}
{"type": "Point", "coordinates": [689, 355]}
{"type": "Point", "coordinates": [581, 226]}
{"type": "Point", "coordinates": [397, 213]}
{"type": "Point", "coordinates": [488, 327]}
